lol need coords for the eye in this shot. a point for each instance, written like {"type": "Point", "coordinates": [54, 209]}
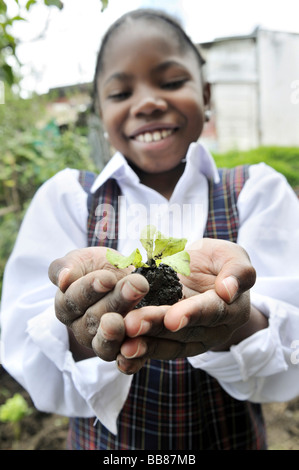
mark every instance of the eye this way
{"type": "Point", "coordinates": [174, 84]}
{"type": "Point", "coordinates": [119, 96]}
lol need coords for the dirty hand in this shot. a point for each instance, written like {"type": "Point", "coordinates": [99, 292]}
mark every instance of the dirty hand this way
{"type": "Point", "coordinates": [89, 287]}
{"type": "Point", "coordinates": [211, 316]}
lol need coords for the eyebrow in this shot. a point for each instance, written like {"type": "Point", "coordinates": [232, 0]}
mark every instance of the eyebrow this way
{"type": "Point", "coordinates": [122, 76]}
{"type": "Point", "coordinates": [168, 64]}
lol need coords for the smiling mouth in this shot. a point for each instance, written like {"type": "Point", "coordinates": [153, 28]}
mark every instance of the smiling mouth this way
{"type": "Point", "coordinates": [154, 136]}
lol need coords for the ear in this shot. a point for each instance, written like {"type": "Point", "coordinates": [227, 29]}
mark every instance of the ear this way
{"type": "Point", "coordinates": [207, 94]}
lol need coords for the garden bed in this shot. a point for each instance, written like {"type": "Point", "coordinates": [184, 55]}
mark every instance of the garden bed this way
{"type": "Point", "coordinates": [42, 431]}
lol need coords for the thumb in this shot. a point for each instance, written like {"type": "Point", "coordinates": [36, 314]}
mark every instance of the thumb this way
{"type": "Point", "coordinates": [233, 280]}
{"type": "Point", "coordinates": [77, 263]}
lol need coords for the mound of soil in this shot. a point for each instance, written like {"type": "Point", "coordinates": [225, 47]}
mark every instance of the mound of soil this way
{"type": "Point", "coordinates": [165, 287]}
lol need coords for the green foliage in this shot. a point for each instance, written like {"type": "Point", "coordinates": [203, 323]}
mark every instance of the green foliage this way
{"type": "Point", "coordinates": [30, 156]}
{"type": "Point", "coordinates": [283, 159]}
{"type": "Point", "coordinates": [14, 409]}
{"type": "Point", "coordinates": [8, 42]}
{"type": "Point", "coordinates": [159, 249]}
{"type": "Point", "coordinates": [55, 3]}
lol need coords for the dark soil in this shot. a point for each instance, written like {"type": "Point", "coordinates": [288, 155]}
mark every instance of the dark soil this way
{"type": "Point", "coordinates": [165, 287]}
{"type": "Point", "coordinates": [42, 431]}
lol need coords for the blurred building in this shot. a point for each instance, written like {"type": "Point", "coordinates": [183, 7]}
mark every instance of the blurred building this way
{"type": "Point", "coordinates": [255, 90]}
{"type": "Point", "coordinates": [255, 95]}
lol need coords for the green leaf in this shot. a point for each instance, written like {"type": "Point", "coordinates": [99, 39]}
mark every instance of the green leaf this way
{"type": "Point", "coordinates": [14, 409]}
{"type": "Point", "coordinates": [147, 237]}
{"type": "Point", "coordinates": [168, 246]}
{"type": "Point", "coordinates": [3, 7]}
{"type": "Point", "coordinates": [16, 18]}
{"type": "Point", "coordinates": [104, 4]}
{"type": "Point", "coordinates": [55, 3]}
{"type": "Point", "coordinates": [122, 262]}
{"type": "Point", "coordinates": [29, 4]}
{"type": "Point", "coordinates": [180, 262]}
{"type": "Point", "coordinates": [7, 74]}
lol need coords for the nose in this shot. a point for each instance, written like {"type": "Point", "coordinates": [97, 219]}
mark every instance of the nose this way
{"type": "Point", "coordinates": [148, 102]}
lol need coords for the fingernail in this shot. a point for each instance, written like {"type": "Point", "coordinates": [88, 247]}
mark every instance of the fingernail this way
{"type": "Point", "coordinates": [122, 365]}
{"type": "Point", "coordinates": [100, 287]}
{"type": "Point", "coordinates": [143, 329]}
{"type": "Point", "coordinates": [61, 277]}
{"type": "Point", "coordinates": [141, 350]}
{"type": "Point", "coordinates": [184, 322]}
{"type": "Point", "coordinates": [232, 286]}
{"type": "Point", "coordinates": [130, 292]}
{"type": "Point", "coordinates": [105, 334]}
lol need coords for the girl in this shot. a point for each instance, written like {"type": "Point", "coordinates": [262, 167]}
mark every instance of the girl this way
{"type": "Point", "coordinates": [188, 376]}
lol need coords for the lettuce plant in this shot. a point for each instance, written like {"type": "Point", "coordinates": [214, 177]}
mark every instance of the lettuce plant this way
{"type": "Point", "coordinates": [159, 249]}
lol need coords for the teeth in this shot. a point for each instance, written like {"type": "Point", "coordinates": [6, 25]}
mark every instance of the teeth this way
{"type": "Point", "coordinates": [154, 136]}
{"type": "Point", "coordinates": [157, 136]}
{"type": "Point", "coordinates": [166, 133]}
{"type": "Point", "coordinates": [148, 137]}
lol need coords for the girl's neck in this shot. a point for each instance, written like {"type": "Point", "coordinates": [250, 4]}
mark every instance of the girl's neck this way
{"type": "Point", "coordinates": [164, 183]}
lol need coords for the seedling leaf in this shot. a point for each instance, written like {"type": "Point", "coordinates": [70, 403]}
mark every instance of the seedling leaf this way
{"type": "Point", "coordinates": [168, 246]}
{"type": "Point", "coordinates": [159, 249]}
{"type": "Point", "coordinates": [122, 262]}
{"type": "Point", "coordinates": [180, 262]}
{"type": "Point", "coordinates": [147, 238]}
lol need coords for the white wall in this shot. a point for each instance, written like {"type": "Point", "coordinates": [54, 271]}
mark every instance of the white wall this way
{"type": "Point", "coordinates": [278, 62]}
{"type": "Point", "coordinates": [231, 69]}
{"type": "Point", "coordinates": [255, 90]}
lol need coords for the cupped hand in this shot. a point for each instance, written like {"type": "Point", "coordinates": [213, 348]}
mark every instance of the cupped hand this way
{"type": "Point", "coordinates": [92, 298]}
{"type": "Point", "coordinates": [214, 313]}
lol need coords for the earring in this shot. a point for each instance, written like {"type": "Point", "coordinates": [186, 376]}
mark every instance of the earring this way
{"type": "Point", "coordinates": [207, 115]}
{"type": "Point", "coordinates": [106, 136]}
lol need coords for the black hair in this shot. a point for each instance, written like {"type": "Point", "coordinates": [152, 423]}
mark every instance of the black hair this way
{"type": "Point", "coordinates": [143, 14]}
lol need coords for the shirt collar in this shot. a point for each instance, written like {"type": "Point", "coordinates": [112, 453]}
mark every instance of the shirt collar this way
{"type": "Point", "coordinates": [197, 156]}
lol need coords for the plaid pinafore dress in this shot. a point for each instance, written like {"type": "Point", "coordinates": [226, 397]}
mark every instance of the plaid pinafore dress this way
{"type": "Point", "coordinates": [171, 405]}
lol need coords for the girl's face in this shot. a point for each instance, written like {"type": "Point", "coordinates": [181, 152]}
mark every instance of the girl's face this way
{"type": "Point", "coordinates": [151, 96]}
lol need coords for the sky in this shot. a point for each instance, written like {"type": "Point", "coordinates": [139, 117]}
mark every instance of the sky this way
{"type": "Point", "coordinates": [66, 52]}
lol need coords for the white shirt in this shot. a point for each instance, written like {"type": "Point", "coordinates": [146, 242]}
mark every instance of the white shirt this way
{"type": "Point", "coordinates": [35, 349]}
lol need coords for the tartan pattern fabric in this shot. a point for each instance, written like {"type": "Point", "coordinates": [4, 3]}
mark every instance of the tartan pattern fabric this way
{"type": "Point", "coordinates": [102, 223]}
{"type": "Point", "coordinates": [171, 405]}
{"type": "Point", "coordinates": [223, 220]}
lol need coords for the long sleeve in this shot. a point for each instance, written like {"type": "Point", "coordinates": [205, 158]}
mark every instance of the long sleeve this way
{"type": "Point", "coordinates": [264, 367]}
{"type": "Point", "coordinates": [35, 348]}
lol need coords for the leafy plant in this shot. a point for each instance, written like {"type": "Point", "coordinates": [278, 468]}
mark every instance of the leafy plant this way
{"type": "Point", "coordinates": [13, 411]}
{"type": "Point", "coordinates": [283, 159]}
{"type": "Point", "coordinates": [159, 249]}
{"type": "Point", "coordinates": [9, 42]}
{"type": "Point", "coordinates": [30, 155]}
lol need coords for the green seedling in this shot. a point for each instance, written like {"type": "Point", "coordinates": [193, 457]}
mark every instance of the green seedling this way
{"type": "Point", "coordinates": [159, 249]}
{"type": "Point", "coordinates": [13, 411]}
